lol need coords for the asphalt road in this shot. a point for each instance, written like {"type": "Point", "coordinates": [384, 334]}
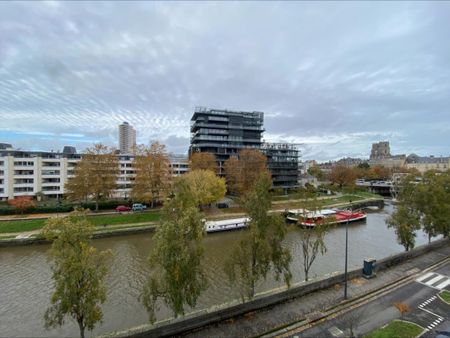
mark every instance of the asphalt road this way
{"type": "Point", "coordinates": [426, 309]}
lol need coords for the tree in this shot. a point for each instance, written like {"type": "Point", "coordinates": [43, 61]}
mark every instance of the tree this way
{"type": "Point", "coordinates": [95, 175]}
{"type": "Point", "coordinates": [22, 203]}
{"type": "Point", "coordinates": [402, 308]}
{"type": "Point", "coordinates": [78, 272]}
{"type": "Point", "coordinates": [205, 186]}
{"type": "Point", "coordinates": [316, 172]}
{"type": "Point", "coordinates": [422, 205]}
{"type": "Point", "coordinates": [312, 239]}
{"type": "Point", "coordinates": [260, 249]}
{"type": "Point", "coordinates": [405, 222]}
{"type": "Point", "coordinates": [343, 176]}
{"type": "Point", "coordinates": [432, 201]}
{"type": "Point", "coordinates": [178, 277]}
{"type": "Point", "coordinates": [406, 218]}
{"type": "Point", "coordinates": [312, 243]}
{"type": "Point", "coordinates": [203, 161]}
{"type": "Point", "coordinates": [153, 174]}
{"type": "Point", "coordinates": [241, 173]}
{"type": "Point", "coordinates": [379, 173]}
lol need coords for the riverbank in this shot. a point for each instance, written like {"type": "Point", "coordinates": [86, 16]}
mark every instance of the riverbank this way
{"type": "Point", "coordinates": [273, 312]}
{"type": "Point", "coordinates": [27, 231]}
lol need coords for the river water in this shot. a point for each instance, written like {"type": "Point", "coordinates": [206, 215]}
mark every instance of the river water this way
{"type": "Point", "coordinates": [26, 284]}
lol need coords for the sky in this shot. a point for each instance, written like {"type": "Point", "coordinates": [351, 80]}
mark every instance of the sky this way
{"type": "Point", "coordinates": [333, 77]}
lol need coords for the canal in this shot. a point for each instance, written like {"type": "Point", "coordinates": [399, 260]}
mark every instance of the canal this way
{"type": "Point", "coordinates": [26, 285]}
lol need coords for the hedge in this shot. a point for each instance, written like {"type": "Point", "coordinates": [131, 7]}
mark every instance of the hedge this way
{"type": "Point", "coordinates": [44, 209]}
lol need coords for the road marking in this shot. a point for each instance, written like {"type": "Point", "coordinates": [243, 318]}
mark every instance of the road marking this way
{"type": "Point", "coordinates": [429, 274]}
{"type": "Point", "coordinates": [335, 331]}
{"type": "Point", "coordinates": [434, 280]}
{"type": "Point", "coordinates": [443, 284]}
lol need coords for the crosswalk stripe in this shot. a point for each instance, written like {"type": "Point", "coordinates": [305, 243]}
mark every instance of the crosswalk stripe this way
{"type": "Point", "coordinates": [443, 284]}
{"type": "Point", "coordinates": [429, 274]}
{"type": "Point", "coordinates": [434, 280]}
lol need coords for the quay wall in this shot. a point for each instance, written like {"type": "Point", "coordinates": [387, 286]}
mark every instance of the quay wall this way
{"type": "Point", "coordinates": [103, 234]}
{"type": "Point", "coordinates": [219, 313]}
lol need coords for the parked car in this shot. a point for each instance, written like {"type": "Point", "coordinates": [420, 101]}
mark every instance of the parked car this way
{"type": "Point", "coordinates": [123, 208]}
{"type": "Point", "coordinates": [139, 207]}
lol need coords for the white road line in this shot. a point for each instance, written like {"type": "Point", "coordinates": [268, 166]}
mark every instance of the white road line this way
{"type": "Point", "coordinates": [429, 274]}
{"type": "Point", "coordinates": [434, 280]}
{"type": "Point", "coordinates": [443, 284]}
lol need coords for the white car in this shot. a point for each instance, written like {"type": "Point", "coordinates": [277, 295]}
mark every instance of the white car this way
{"type": "Point", "coordinates": [138, 207]}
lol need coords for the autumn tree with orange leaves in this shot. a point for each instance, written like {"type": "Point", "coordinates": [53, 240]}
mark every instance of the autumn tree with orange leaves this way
{"type": "Point", "coordinates": [242, 172]}
{"type": "Point", "coordinates": [203, 161]}
{"type": "Point", "coordinates": [22, 203]}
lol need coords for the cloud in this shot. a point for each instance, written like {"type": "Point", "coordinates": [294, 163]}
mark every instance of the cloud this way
{"type": "Point", "coordinates": [335, 76]}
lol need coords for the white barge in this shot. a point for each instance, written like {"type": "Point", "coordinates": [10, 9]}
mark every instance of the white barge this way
{"type": "Point", "coordinates": [227, 224]}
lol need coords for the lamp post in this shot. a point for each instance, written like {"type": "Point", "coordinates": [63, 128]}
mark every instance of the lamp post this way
{"type": "Point", "coordinates": [346, 251]}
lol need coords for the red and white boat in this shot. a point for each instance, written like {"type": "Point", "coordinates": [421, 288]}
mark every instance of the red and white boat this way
{"type": "Point", "coordinates": [310, 219]}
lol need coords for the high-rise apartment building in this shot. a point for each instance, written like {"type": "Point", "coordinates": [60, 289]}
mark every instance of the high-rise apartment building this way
{"type": "Point", "coordinates": [127, 138]}
{"type": "Point", "coordinates": [225, 132]}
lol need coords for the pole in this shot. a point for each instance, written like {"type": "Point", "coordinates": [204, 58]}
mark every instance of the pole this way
{"type": "Point", "coordinates": [346, 251]}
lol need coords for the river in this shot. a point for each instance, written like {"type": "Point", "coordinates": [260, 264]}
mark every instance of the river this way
{"type": "Point", "coordinates": [26, 284]}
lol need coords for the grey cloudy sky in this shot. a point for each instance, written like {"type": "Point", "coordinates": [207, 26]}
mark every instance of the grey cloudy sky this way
{"type": "Point", "coordinates": [334, 76]}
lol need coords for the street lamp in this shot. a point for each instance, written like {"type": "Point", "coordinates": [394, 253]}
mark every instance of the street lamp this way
{"type": "Point", "coordinates": [346, 250]}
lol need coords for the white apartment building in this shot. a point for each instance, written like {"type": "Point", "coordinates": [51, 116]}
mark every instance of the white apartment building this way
{"type": "Point", "coordinates": [30, 172]}
{"type": "Point", "coordinates": [127, 138]}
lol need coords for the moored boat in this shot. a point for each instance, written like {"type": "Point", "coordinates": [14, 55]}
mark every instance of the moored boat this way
{"type": "Point", "coordinates": [227, 224]}
{"type": "Point", "coordinates": [310, 219]}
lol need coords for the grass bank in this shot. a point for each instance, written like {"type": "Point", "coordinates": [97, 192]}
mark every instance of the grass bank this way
{"type": "Point", "coordinates": [102, 220]}
{"type": "Point", "coordinates": [397, 329]}
{"type": "Point", "coordinates": [445, 295]}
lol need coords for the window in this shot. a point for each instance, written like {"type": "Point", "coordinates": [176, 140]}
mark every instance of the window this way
{"type": "Point", "coordinates": [23, 172]}
{"type": "Point", "coordinates": [24, 163]}
{"type": "Point", "coordinates": [50, 172]}
{"type": "Point", "coordinates": [23, 189]}
{"type": "Point", "coordinates": [50, 164]}
{"type": "Point", "coordinates": [23, 181]}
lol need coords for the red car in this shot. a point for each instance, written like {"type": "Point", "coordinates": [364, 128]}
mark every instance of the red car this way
{"type": "Point", "coordinates": [122, 208]}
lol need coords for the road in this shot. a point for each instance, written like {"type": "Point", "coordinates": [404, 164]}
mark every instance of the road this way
{"type": "Point", "coordinates": [420, 294]}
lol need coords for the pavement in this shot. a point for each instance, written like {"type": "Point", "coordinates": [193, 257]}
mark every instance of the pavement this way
{"type": "Point", "coordinates": [420, 294]}
{"type": "Point", "coordinates": [370, 305]}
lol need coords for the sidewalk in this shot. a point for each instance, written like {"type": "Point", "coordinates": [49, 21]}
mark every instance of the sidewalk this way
{"type": "Point", "coordinates": [276, 317]}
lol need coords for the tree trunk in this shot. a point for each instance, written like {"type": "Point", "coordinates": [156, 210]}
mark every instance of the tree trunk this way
{"type": "Point", "coordinates": [80, 324]}
{"type": "Point", "coordinates": [96, 204]}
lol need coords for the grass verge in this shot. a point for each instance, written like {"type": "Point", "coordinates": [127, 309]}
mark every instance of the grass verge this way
{"type": "Point", "coordinates": [35, 224]}
{"type": "Point", "coordinates": [445, 295]}
{"type": "Point", "coordinates": [397, 329]}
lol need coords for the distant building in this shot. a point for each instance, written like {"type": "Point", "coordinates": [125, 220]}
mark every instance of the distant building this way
{"type": "Point", "coordinates": [381, 156]}
{"type": "Point", "coordinates": [225, 132]}
{"type": "Point", "coordinates": [350, 162]}
{"type": "Point", "coordinates": [127, 138]}
{"type": "Point", "coordinates": [283, 163]}
{"type": "Point", "coordinates": [424, 163]}
{"type": "Point", "coordinates": [29, 172]}
{"type": "Point", "coordinates": [380, 150]}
